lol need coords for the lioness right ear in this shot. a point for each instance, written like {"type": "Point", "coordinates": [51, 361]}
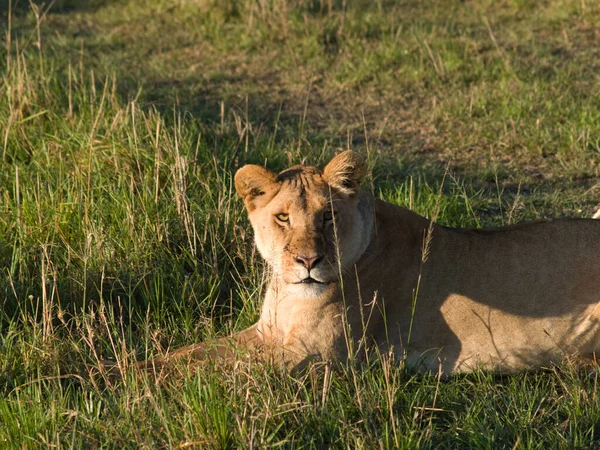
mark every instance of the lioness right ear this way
{"type": "Point", "coordinates": [252, 182]}
{"type": "Point", "coordinates": [345, 172]}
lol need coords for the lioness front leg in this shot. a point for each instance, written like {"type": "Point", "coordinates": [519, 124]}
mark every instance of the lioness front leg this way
{"type": "Point", "coordinates": [223, 350]}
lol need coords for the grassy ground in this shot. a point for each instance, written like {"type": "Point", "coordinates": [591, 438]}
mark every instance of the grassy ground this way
{"type": "Point", "coordinates": [120, 234]}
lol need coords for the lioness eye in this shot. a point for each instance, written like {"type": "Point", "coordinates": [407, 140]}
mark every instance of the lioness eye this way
{"type": "Point", "coordinates": [327, 216]}
{"type": "Point", "coordinates": [282, 217]}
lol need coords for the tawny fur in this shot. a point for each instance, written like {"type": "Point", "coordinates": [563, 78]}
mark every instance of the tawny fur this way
{"type": "Point", "coordinates": [354, 276]}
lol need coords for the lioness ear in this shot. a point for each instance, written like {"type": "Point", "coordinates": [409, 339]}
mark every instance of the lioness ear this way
{"type": "Point", "coordinates": [252, 182]}
{"type": "Point", "coordinates": [345, 172]}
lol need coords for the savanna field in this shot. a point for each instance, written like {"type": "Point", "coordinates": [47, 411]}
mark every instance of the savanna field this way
{"type": "Point", "coordinates": [121, 126]}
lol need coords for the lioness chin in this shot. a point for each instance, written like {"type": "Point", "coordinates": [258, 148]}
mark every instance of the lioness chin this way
{"type": "Point", "coordinates": [350, 274]}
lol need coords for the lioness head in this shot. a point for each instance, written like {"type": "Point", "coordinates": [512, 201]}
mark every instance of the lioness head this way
{"type": "Point", "coordinates": [309, 225]}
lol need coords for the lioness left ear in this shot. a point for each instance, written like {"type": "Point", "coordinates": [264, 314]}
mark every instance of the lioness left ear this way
{"type": "Point", "coordinates": [345, 172]}
{"type": "Point", "coordinates": [253, 182]}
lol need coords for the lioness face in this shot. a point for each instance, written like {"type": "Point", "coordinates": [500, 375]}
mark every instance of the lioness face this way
{"type": "Point", "coordinates": [307, 223]}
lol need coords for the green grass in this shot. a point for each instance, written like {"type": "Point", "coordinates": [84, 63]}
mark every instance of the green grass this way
{"type": "Point", "coordinates": [121, 236]}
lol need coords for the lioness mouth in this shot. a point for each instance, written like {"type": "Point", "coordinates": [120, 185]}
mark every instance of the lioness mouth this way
{"type": "Point", "coordinates": [309, 280]}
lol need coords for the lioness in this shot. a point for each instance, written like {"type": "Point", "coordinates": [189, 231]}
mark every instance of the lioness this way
{"type": "Point", "coordinates": [353, 275]}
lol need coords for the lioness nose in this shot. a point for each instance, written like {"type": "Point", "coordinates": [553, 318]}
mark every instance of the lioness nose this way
{"type": "Point", "coordinates": [309, 261]}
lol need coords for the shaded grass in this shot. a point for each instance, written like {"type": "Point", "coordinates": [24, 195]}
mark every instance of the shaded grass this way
{"type": "Point", "coordinates": [120, 234]}
{"type": "Point", "coordinates": [482, 85]}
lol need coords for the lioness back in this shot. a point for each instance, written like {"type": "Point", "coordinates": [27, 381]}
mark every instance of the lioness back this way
{"type": "Point", "coordinates": [502, 299]}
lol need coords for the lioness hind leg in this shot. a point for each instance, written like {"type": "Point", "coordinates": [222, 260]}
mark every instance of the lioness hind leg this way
{"type": "Point", "coordinates": [587, 365]}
